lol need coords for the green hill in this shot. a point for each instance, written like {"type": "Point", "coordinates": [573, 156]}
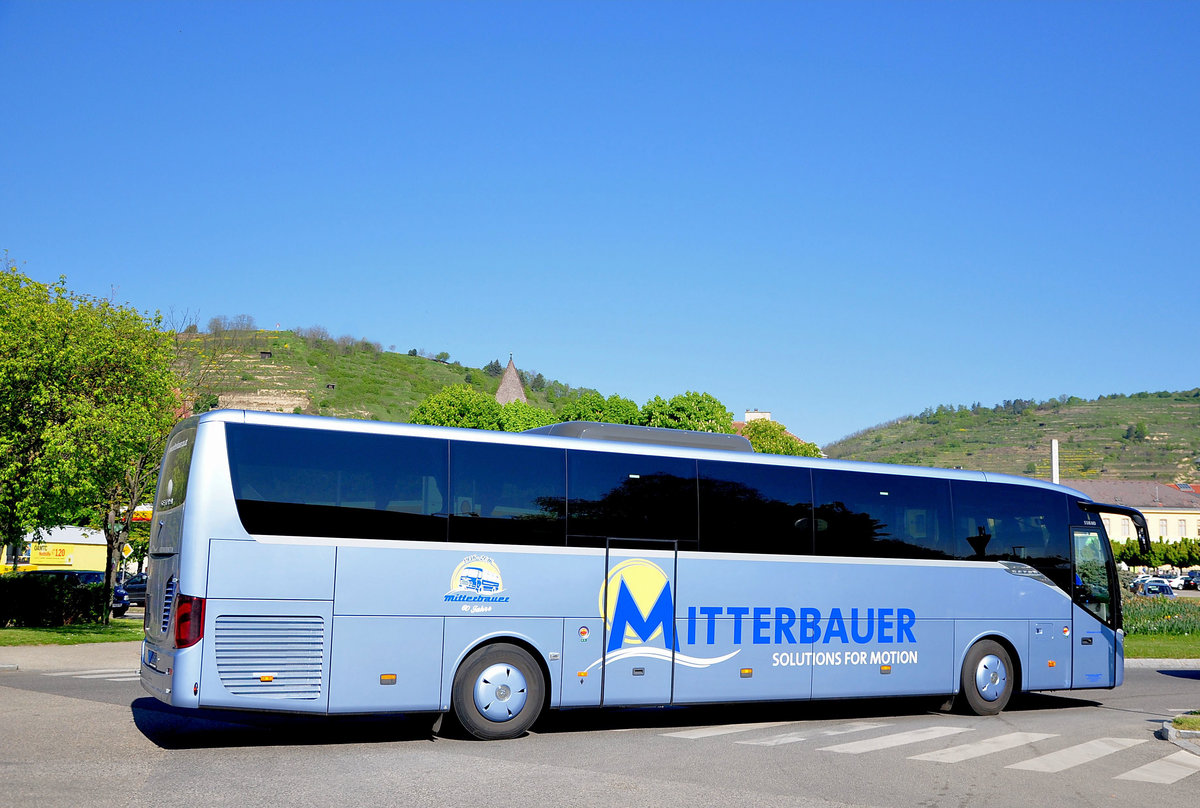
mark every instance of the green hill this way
{"type": "Point", "coordinates": [286, 371]}
{"type": "Point", "coordinates": [1145, 436]}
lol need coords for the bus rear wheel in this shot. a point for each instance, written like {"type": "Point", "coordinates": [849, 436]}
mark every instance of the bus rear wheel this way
{"type": "Point", "coordinates": [987, 678]}
{"type": "Point", "coordinates": [498, 692]}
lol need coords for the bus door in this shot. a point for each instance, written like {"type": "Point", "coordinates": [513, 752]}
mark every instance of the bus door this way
{"type": "Point", "coordinates": [1094, 635]}
{"type": "Point", "coordinates": [637, 600]}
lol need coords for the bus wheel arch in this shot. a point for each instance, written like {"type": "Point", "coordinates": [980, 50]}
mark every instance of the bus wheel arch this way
{"type": "Point", "coordinates": [990, 675]}
{"type": "Point", "coordinates": [500, 689]}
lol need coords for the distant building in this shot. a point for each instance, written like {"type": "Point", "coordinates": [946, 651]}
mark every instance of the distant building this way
{"type": "Point", "coordinates": [1172, 512]}
{"type": "Point", "coordinates": [511, 388]}
{"type": "Point", "coordinates": [61, 548]}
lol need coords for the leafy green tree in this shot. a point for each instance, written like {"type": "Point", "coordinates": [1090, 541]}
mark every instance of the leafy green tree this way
{"type": "Point", "coordinates": [517, 416]}
{"type": "Point", "coordinates": [591, 406]}
{"type": "Point", "coordinates": [698, 411]}
{"type": "Point", "coordinates": [771, 437]}
{"type": "Point", "coordinates": [87, 397]}
{"type": "Point", "coordinates": [493, 368]}
{"type": "Point", "coordinates": [459, 405]}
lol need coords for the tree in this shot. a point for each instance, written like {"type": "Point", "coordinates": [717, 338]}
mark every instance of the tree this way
{"type": "Point", "coordinates": [517, 416]}
{"type": "Point", "coordinates": [591, 406]}
{"type": "Point", "coordinates": [459, 405]}
{"type": "Point", "coordinates": [699, 411]}
{"type": "Point", "coordinates": [87, 397]}
{"type": "Point", "coordinates": [493, 368]}
{"type": "Point", "coordinates": [771, 437]}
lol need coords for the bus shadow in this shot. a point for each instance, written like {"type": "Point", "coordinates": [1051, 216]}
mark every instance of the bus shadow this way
{"type": "Point", "coordinates": [175, 728]}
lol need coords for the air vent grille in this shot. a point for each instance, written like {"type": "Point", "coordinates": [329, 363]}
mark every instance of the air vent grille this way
{"type": "Point", "coordinates": [275, 657]}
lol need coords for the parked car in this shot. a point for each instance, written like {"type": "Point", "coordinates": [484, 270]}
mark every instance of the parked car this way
{"type": "Point", "coordinates": [1174, 581]}
{"type": "Point", "coordinates": [135, 587]}
{"type": "Point", "coordinates": [120, 598]}
{"type": "Point", "coordinates": [1140, 579]}
{"type": "Point", "coordinates": [1161, 589]}
{"type": "Point", "coordinates": [1192, 581]}
{"type": "Point", "coordinates": [1139, 586]}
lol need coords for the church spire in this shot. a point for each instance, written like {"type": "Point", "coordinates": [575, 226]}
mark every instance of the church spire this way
{"type": "Point", "coordinates": [511, 388]}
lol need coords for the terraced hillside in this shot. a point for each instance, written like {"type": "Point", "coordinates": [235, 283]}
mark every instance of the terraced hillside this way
{"type": "Point", "coordinates": [279, 371]}
{"type": "Point", "coordinates": [1146, 436]}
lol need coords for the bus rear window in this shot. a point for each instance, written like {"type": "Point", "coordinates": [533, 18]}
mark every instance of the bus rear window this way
{"type": "Point", "coordinates": [177, 462]}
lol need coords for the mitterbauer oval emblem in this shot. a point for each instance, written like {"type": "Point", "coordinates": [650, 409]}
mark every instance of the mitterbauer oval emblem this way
{"type": "Point", "coordinates": [476, 578]}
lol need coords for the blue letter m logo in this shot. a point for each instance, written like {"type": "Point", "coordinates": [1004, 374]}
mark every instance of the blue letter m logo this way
{"type": "Point", "coordinates": [627, 616]}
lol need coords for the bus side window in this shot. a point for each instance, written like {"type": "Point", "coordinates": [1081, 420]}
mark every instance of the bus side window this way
{"type": "Point", "coordinates": [861, 514]}
{"type": "Point", "coordinates": [747, 508]}
{"type": "Point", "coordinates": [315, 482]}
{"type": "Point", "coordinates": [504, 494]}
{"type": "Point", "coordinates": [613, 495]}
{"type": "Point", "coordinates": [1003, 522]}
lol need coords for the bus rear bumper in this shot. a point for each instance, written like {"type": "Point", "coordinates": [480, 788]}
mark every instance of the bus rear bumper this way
{"type": "Point", "coordinates": [172, 676]}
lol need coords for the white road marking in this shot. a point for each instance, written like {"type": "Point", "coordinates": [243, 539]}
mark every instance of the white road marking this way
{"type": "Point", "coordinates": [794, 737]}
{"type": "Point", "coordinates": [969, 751]}
{"type": "Point", "coordinates": [1170, 769]}
{"type": "Point", "coordinates": [1076, 755]}
{"type": "Point", "coordinates": [896, 739]}
{"type": "Point", "coordinates": [108, 671]}
{"type": "Point", "coordinates": [727, 729]}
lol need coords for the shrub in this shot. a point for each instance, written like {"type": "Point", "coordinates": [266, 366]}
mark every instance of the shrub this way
{"type": "Point", "coordinates": [28, 601]}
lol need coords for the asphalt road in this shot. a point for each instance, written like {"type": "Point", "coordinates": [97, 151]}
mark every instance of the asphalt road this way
{"type": "Point", "coordinates": [76, 729]}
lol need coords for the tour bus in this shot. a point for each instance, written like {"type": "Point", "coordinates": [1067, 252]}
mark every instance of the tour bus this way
{"type": "Point", "coordinates": [316, 565]}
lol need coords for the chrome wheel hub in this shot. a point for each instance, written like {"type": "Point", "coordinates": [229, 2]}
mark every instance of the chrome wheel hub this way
{"type": "Point", "coordinates": [500, 693]}
{"type": "Point", "coordinates": [991, 677]}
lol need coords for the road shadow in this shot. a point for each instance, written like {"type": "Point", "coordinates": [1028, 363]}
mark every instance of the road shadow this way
{"type": "Point", "coordinates": [175, 728]}
{"type": "Point", "coordinates": [588, 720]}
{"type": "Point", "coordinates": [1181, 674]}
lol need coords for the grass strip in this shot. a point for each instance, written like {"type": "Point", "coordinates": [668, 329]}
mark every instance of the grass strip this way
{"type": "Point", "coordinates": [122, 629]}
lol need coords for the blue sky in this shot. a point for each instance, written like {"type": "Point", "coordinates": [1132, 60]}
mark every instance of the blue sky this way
{"type": "Point", "coordinates": [840, 212]}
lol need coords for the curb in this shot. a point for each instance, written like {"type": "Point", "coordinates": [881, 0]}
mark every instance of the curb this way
{"type": "Point", "coordinates": [1163, 664]}
{"type": "Point", "coordinates": [1183, 738]}
{"type": "Point", "coordinates": [10, 667]}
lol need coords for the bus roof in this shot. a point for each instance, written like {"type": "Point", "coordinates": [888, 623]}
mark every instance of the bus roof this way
{"type": "Point", "coordinates": [626, 433]}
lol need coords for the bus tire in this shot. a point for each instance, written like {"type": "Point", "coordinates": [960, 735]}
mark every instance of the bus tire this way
{"type": "Point", "coordinates": [498, 692]}
{"type": "Point", "coordinates": [988, 678]}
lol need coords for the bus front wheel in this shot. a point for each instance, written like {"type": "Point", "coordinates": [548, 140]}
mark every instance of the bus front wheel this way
{"type": "Point", "coordinates": [498, 692]}
{"type": "Point", "coordinates": [987, 677]}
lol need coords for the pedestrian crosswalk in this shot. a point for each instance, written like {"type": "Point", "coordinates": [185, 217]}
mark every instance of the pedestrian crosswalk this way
{"type": "Point", "coordinates": [1054, 757]}
{"type": "Point", "coordinates": [107, 674]}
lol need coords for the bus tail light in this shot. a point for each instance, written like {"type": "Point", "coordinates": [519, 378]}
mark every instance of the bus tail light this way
{"type": "Point", "coordinates": [189, 620]}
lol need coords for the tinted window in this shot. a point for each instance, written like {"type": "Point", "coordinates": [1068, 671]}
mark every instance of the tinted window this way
{"type": "Point", "coordinates": [1001, 522]}
{"type": "Point", "coordinates": [507, 494]}
{"type": "Point", "coordinates": [746, 508]}
{"type": "Point", "coordinates": [314, 482]}
{"type": "Point", "coordinates": [630, 496]}
{"type": "Point", "coordinates": [173, 476]}
{"type": "Point", "coordinates": [882, 515]}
